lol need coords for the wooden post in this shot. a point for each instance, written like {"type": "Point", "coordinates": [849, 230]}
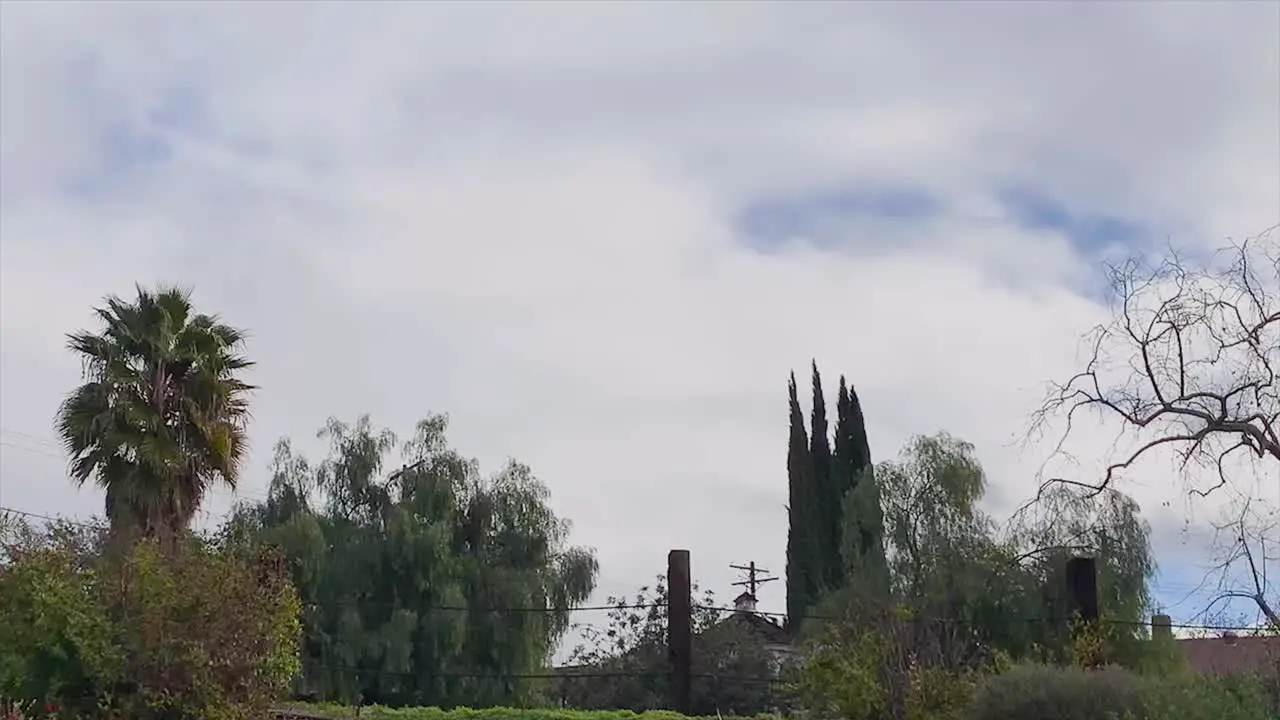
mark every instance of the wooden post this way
{"type": "Point", "coordinates": [680, 630]}
{"type": "Point", "coordinates": [1162, 628]}
{"type": "Point", "coordinates": [1082, 588]}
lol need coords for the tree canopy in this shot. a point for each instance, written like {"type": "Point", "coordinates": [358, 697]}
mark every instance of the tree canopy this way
{"type": "Point", "coordinates": [429, 585]}
{"type": "Point", "coordinates": [949, 560]}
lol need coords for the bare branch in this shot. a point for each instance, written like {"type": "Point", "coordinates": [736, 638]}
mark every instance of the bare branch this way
{"type": "Point", "coordinates": [1242, 542]}
{"type": "Point", "coordinates": [1188, 363]}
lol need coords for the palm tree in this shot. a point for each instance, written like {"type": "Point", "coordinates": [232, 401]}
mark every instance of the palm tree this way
{"type": "Point", "coordinates": [161, 415]}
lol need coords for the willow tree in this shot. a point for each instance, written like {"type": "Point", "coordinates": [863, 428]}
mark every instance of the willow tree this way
{"type": "Point", "coordinates": [1069, 521]}
{"type": "Point", "coordinates": [428, 585]}
{"type": "Point", "coordinates": [160, 417]}
{"type": "Point", "coordinates": [980, 588]}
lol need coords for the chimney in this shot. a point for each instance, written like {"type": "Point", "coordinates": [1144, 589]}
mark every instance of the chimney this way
{"type": "Point", "coordinates": [745, 604]}
{"type": "Point", "coordinates": [1229, 638]}
{"type": "Point", "coordinates": [1161, 627]}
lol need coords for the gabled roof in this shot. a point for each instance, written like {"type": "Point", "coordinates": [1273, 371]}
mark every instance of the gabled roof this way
{"type": "Point", "coordinates": [764, 628]}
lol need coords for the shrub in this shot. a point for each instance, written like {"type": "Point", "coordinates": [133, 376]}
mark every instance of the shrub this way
{"type": "Point", "coordinates": [1037, 692]}
{"type": "Point", "coordinates": [207, 634]}
{"type": "Point", "coordinates": [1045, 693]}
{"type": "Point", "coordinates": [843, 675]}
{"type": "Point", "coordinates": [375, 712]}
{"type": "Point", "coordinates": [936, 694]}
{"type": "Point", "coordinates": [197, 632]}
{"type": "Point", "coordinates": [57, 643]}
{"type": "Point", "coordinates": [886, 661]}
{"type": "Point", "coordinates": [1206, 698]}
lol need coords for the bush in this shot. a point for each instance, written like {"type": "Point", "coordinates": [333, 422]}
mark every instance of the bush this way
{"type": "Point", "coordinates": [375, 712]}
{"type": "Point", "coordinates": [57, 642]}
{"type": "Point", "coordinates": [843, 675]}
{"type": "Point", "coordinates": [1111, 693]}
{"type": "Point", "coordinates": [936, 694]}
{"type": "Point", "coordinates": [207, 634]}
{"type": "Point", "coordinates": [1211, 698]}
{"type": "Point", "coordinates": [1037, 692]}
{"type": "Point", "coordinates": [199, 632]}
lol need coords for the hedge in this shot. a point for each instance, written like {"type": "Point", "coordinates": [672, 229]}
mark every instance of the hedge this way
{"type": "Point", "coordinates": [375, 712]}
{"type": "Point", "coordinates": [1049, 693]}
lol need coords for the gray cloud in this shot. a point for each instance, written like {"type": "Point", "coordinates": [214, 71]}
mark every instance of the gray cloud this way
{"type": "Point", "coordinates": [525, 216]}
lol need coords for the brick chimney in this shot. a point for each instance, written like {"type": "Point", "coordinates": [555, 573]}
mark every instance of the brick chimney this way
{"type": "Point", "coordinates": [1161, 627]}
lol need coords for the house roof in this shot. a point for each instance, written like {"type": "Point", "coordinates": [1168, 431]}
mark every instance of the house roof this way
{"type": "Point", "coordinates": [1218, 656]}
{"type": "Point", "coordinates": [763, 627]}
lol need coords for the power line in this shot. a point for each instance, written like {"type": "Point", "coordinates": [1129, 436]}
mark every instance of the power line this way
{"type": "Point", "coordinates": [33, 451]}
{"type": "Point", "coordinates": [49, 518]}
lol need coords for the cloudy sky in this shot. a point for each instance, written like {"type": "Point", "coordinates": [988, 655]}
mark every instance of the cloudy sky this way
{"type": "Point", "coordinates": [599, 235]}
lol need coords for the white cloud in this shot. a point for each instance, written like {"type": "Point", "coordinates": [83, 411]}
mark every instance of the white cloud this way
{"type": "Point", "coordinates": [523, 215]}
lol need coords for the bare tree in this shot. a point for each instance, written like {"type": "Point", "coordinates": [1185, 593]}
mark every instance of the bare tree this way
{"type": "Point", "coordinates": [1188, 363]}
{"type": "Point", "coordinates": [1247, 550]}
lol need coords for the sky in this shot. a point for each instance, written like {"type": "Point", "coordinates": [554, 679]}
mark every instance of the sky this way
{"type": "Point", "coordinates": [600, 235]}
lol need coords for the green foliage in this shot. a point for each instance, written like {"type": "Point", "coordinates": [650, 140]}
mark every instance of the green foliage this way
{"type": "Point", "coordinates": [804, 571]}
{"type": "Point", "coordinates": [842, 676]}
{"type": "Point", "coordinates": [964, 599]}
{"type": "Point", "coordinates": [1003, 592]}
{"type": "Point", "coordinates": [880, 664]}
{"type": "Point", "coordinates": [226, 651]}
{"type": "Point", "coordinates": [826, 520]}
{"type": "Point", "coordinates": [193, 632]}
{"type": "Point", "coordinates": [161, 415]}
{"type": "Point", "coordinates": [1109, 527]}
{"type": "Point", "coordinates": [937, 694]}
{"type": "Point", "coordinates": [56, 638]}
{"type": "Point", "coordinates": [339, 712]}
{"type": "Point", "coordinates": [1037, 692]}
{"type": "Point", "coordinates": [1181, 697]}
{"type": "Point", "coordinates": [857, 551]}
{"type": "Point", "coordinates": [835, 522]}
{"type": "Point", "coordinates": [419, 587]}
{"type": "Point", "coordinates": [946, 561]}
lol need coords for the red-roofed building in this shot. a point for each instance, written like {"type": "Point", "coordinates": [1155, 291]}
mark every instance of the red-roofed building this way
{"type": "Point", "coordinates": [1228, 654]}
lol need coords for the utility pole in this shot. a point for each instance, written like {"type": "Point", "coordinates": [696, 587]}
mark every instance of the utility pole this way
{"type": "Point", "coordinates": [756, 577]}
{"type": "Point", "coordinates": [1082, 597]}
{"type": "Point", "coordinates": [680, 630]}
{"type": "Point", "coordinates": [1082, 586]}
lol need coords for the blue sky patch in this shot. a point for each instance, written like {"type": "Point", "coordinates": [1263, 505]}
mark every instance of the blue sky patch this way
{"type": "Point", "coordinates": [1185, 593]}
{"type": "Point", "coordinates": [773, 221]}
{"type": "Point", "coordinates": [127, 143]}
{"type": "Point", "coordinates": [1090, 233]}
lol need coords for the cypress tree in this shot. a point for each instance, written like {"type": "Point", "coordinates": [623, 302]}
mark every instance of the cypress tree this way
{"type": "Point", "coordinates": [867, 546]}
{"type": "Point", "coordinates": [826, 512]}
{"type": "Point", "coordinates": [842, 480]}
{"type": "Point", "coordinates": [802, 550]}
{"type": "Point", "coordinates": [861, 449]}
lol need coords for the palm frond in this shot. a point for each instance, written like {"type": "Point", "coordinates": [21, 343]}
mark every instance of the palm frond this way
{"type": "Point", "coordinates": [161, 416]}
